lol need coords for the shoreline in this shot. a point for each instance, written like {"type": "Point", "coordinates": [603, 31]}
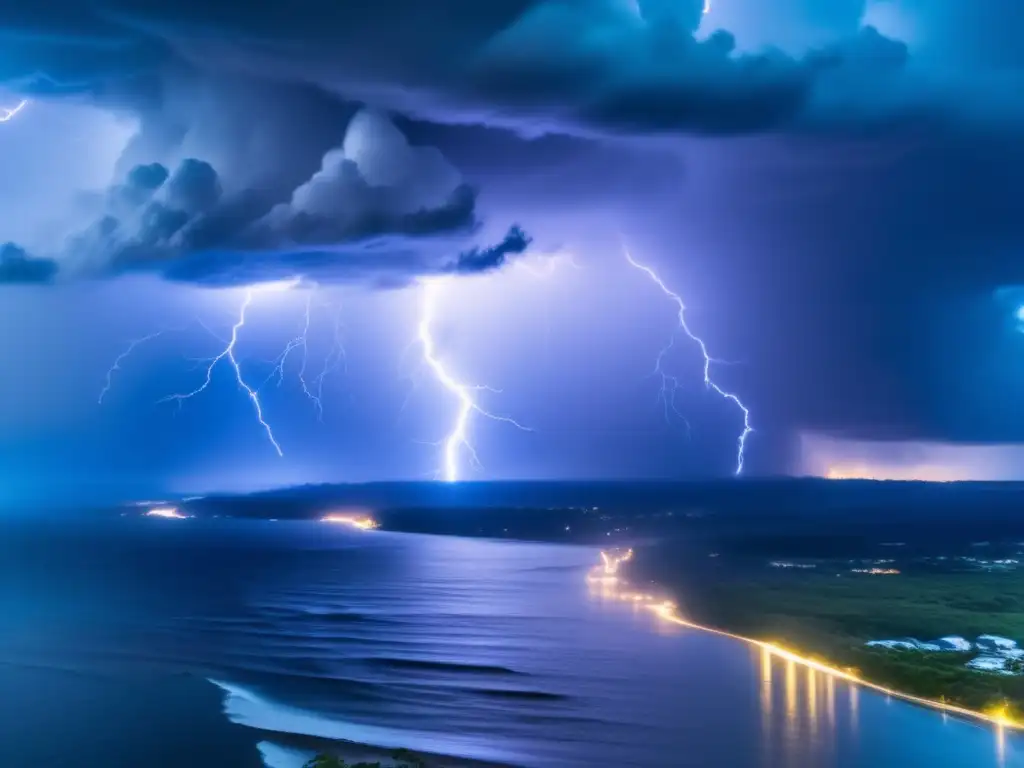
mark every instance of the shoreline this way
{"type": "Point", "coordinates": [606, 575]}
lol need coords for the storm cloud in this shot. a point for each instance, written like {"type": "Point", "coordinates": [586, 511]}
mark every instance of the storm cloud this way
{"type": "Point", "coordinates": [375, 210]}
{"type": "Point", "coordinates": [578, 66]}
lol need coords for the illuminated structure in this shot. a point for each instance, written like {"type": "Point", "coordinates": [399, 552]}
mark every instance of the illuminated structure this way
{"type": "Point", "coordinates": [670, 383]}
{"type": "Point", "coordinates": [458, 438]}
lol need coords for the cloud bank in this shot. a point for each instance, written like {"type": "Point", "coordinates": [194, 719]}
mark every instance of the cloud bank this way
{"type": "Point", "coordinates": [579, 66]}
{"type": "Point", "coordinates": [242, 166]}
{"type": "Point", "coordinates": [376, 209]}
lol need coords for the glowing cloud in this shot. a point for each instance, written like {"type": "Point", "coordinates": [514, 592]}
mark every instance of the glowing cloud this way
{"type": "Point", "coordinates": [838, 458]}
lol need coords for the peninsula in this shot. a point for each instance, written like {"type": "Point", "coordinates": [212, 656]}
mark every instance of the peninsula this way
{"type": "Point", "coordinates": [865, 616]}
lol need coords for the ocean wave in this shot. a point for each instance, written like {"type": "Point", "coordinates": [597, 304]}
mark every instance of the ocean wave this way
{"type": "Point", "coordinates": [276, 756]}
{"type": "Point", "coordinates": [244, 706]}
{"type": "Point", "coordinates": [320, 613]}
{"type": "Point", "coordinates": [505, 693]}
{"type": "Point", "coordinates": [440, 666]}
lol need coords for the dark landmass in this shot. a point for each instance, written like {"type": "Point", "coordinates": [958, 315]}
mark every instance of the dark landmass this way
{"type": "Point", "coordinates": [790, 516]}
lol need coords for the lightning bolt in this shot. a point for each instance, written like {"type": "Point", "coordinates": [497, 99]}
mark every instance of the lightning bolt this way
{"type": "Point", "coordinates": [708, 360]}
{"type": "Point", "coordinates": [458, 438]}
{"type": "Point", "coordinates": [228, 354]}
{"type": "Point", "coordinates": [9, 113]}
{"type": "Point", "coordinates": [116, 366]}
{"type": "Point", "coordinates": [334, 360]}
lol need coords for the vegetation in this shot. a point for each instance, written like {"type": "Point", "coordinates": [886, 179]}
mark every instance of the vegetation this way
{"type": "Point", "coordinates": [829, 614]}
{"type": "Point", "coordinates": [402, 758]}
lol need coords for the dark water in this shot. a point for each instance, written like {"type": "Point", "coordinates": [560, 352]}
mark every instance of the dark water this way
{"type": "Point", "coordinates": [469, 647]}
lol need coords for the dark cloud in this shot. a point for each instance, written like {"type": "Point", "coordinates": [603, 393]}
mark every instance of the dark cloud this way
{"type": "Point", "coordinates": [534, 65]}
{"type": "Point", "coordinates": [17, 267]}
{"type": "Point", "coordinates": [485, 259]}
{"type": "Point", "coordinates": [377, 209]}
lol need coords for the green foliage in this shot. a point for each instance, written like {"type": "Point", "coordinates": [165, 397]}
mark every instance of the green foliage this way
{"type": "Point", "coordinates": [407, 760]}
{"type": "Point", "coordinates": [831, 617]}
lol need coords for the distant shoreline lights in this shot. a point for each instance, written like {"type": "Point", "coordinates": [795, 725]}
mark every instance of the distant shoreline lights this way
{"type": "Point", "coordinates": [362, 522]}
{"type": "Point", "coordinates": [169, 513]}
{"type": "Point", "coordinates": [605, 576]}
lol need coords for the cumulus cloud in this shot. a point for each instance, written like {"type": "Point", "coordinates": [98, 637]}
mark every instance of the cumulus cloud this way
{"type": "Point", "coordinates": [376, 209]}
{"type": "Point", "coordinates": [619, 66]}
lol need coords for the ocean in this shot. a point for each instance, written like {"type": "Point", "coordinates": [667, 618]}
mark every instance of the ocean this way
{"type": "Point", "coordinates": [146, 643]}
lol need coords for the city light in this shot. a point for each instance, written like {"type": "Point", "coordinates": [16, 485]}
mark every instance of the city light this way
{"type": "Point", "coordinates": [170, 513]}
{"type": "Point", "coordinates": [362, 522]}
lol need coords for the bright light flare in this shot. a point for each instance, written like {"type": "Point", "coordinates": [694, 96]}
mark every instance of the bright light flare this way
{"type": "Point", "coordinates": [838, 458]}
{"type": "Point", "coordinates": [458, 438]}
{"type": "Point", "coordinates": [613, 561]}
{"type": "Point", "coordinates": [667, 610]}
{"type": "Point", "coordinates": [670, 383]}
{"type": "Point", "coordinates": [9, 113]}
{"type": "Point", "coordinates": [362, 522]}
{"type": "Point", "coordinates": [168, 513]}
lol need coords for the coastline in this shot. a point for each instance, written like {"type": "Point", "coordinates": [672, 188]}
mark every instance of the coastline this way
{"type": "Point", "coordinates": [606, 576]}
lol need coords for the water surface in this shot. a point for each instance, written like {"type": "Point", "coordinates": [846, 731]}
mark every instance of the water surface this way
{"type": "Point", "coordinates": [478, 648]}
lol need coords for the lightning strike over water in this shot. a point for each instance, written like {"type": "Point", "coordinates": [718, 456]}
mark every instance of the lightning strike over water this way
{"type": "Point", "coordinates": [9, 113]}
{"type": "Point", "coordinates": [458, 438]}
{"type": "Point", "coordinates": [672, 383]}
{"type": "Point", "coordinates": [228, 353]}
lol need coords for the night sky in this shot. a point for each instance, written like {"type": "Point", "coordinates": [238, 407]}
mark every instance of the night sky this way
{"type": "Point", "coordinates": [831, 186]}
